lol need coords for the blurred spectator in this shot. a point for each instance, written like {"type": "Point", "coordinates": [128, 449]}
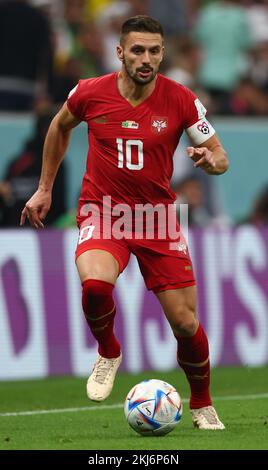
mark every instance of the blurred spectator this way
{"type": "Point", "coordinates": [22, 176]}
{"type": "Point", "coordinates": [258, 67]}
{"type": "Point", "coordinates": [95, 7]}
{"type": "Point", "coordinates": [50, 8]}
{"type": "Point", "coordinates": [26, 55]}
{"type": "Point", "coordinates": [203, 205]}
{"type": "Point", "coordinates": [251, 95]}
{"type": "Point", "coordinates": [185, 64]}
{"type": "Point", "coordinates": [85, 61]}
{"type": "Point", "coordinates": [258, 20]}
{"type": "Point", "coordinates": [184, 69]}
{"type": "Point", "coordinates": [110, 21]}
{"type": "Point", "coordinates": [173, 15]}
{"type": "Point", "coordinates": [223, 31]}
{"type": "Point", "coordinates": [89, 51]}
{"type": "Point", "coordinates": [259, 213]}
{"type": "Point", "coordinates": [248, 99]}
{"type": "Point", "coordinates": [65, 78]}
{"type": "Point", "coordinates": [190, 191]}
{"type": "Point", "coordinates": [66, 29]}
{"type": "Point", "coordinates": [193, 7]}
{"type": "Point", "coordinates": [79, 49]}
{"type": "Point", "coordinates": [74, 12]}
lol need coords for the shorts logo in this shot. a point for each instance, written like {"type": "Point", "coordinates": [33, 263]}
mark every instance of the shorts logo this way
{"type": "Point", "coordinates": [159, 124]}
{"type": "Point", "coordinates": [86, 233]}
{"type": "Point", "coordinates": [182, 247]}
{"type": "Point", "coordinates": [203, 127]}
{"type": "Point", "coordinates": [188, 268]}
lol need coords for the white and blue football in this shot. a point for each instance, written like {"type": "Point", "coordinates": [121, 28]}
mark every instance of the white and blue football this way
{"type": "Point", "coordinates": [153, 407]}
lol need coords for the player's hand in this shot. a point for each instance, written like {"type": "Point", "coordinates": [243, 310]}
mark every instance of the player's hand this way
{"type": "Point", "coordinates": [202, 157]}
{"type": "Point", "coordinates": [36, 208]}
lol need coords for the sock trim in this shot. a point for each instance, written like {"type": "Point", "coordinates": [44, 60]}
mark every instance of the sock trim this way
{"type": "Point", "coordinates": [194, 364]}
{"type": "Point", "coordinates": [103, 316]}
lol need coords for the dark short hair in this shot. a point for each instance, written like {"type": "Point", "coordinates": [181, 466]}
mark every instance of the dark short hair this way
{"type": "Point", "coordinates": [142, 24]}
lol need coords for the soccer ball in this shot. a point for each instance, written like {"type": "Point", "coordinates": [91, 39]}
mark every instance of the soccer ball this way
{"type": "Point", "coordinates": [153, 407]}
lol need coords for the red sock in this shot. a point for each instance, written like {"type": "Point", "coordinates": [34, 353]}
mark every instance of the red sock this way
{"type": "Point", "coordinates": [193, 357]}
{"type": "Point", "coordinates": [99, 310]}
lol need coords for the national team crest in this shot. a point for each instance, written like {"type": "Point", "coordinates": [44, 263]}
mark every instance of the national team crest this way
{"type": "Point", "coordinates": [159, 125]}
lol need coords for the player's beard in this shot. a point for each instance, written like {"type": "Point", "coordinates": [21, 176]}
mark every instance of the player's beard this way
{"type": "Point", "coordinates": [133, 74]}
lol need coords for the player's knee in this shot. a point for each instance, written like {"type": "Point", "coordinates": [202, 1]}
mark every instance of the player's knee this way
{"type": "Point", "coordinates": [96, 295]}
{"type": "Point", "coordinates": [97, 265]}
{"type": "Point", "coordinates": [185, 322]}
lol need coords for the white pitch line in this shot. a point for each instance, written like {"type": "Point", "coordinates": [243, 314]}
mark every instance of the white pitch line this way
{"type": "Point", "coordinates": [63, 410]}
{"type": "Point", "coordinates": [120, 405]}
{"type": "Point", "coordinates": [255, 396]}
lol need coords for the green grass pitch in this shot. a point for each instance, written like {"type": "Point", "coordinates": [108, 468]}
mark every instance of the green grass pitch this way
{"type": "Point", "coordinates": [240, 397]}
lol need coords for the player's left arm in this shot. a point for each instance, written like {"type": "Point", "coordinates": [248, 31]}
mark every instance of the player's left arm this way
{"type": "Point", "coordinates": [210, 156]}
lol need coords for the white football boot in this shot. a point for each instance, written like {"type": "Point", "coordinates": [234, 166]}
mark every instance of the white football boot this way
{"type": "Point", "coordinates": [100, 382]}
{"type": "Point", "coordinates": [206, 418]}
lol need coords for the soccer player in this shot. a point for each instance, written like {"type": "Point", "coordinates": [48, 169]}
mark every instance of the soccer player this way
{"type": "Point", "coordinates": [135, 119]}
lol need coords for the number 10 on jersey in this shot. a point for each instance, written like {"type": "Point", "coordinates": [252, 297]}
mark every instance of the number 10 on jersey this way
{"type": "Point", "coordinates": [125, 155]}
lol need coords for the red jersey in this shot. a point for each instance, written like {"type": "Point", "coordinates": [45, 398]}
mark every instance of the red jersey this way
{"type": "Point", "coordinates": [131, 149]}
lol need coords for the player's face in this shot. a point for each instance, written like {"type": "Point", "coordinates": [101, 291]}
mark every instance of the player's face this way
{"type": "Point", "coordinates": [141, 55]}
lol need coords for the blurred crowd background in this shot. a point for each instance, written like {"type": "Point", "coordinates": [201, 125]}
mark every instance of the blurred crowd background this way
{"type": "Point", "coordinates": [219, 49]}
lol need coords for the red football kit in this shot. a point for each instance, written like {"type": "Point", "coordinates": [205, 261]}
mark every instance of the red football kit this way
{"type": "Point", "coordinates": [130, 162]}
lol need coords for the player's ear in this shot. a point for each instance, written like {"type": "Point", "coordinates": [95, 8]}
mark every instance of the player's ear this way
{"type": "Point", "coordinates": [120, 55]}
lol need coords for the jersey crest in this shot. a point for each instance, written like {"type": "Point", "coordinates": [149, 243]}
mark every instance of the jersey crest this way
{"type": "Point", "coordinates": [159, 124]}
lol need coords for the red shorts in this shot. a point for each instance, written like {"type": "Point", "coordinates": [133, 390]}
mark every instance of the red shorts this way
{"type": "Point", "coordinates": [164, 263]}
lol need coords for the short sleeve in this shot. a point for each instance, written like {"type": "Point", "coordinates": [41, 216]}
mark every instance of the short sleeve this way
{"type": "Point", "coordinates": [77, 101]}
{"type": "Point", "coordinates": [194, 109]}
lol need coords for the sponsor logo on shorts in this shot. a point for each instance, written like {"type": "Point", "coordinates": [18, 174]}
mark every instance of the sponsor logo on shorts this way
{"type": "Point", "coordinates": [188, 268]}
{"type": "Point", "coordinates": [85, 233]}
{"type": "Point", "coordinates": [182, 247]}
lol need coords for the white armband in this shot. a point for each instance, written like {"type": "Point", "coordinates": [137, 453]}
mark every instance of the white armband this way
{"type": "Point", "coordinates": [201, 131]}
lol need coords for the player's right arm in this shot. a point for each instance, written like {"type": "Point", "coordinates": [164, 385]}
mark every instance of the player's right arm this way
{"type": "Point", "coordinates": [55, 146]}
